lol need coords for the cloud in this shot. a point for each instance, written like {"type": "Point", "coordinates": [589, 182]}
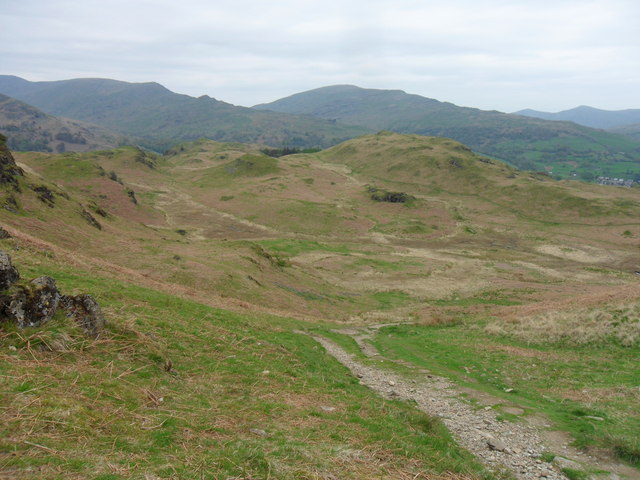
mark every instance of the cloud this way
{"type": "Point", "coordinates": [491, 54]}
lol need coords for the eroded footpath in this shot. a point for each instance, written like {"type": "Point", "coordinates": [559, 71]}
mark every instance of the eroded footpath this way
{"type": "Point", "coordinates": [501, 445]}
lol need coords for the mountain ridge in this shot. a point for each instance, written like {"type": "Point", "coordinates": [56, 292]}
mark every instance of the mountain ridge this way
{"type": "Point", "coordinates": [29, 128]}
{"type": "Point", "coordinates": [529, 143]}
{"type": "Point", "coordinates": [589, 116]}
{"type": "Point", "coordinates": [160, 118]}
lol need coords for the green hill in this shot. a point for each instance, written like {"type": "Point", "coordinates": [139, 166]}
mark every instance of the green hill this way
{"type": "Point", "coordinates": [629, 130]}
{"type": "Point", "coordinates": [28, 128]}
{"type": "Point", "coordinates": [160, 118]}
{"type": "Point", "coordinates": [533, 144]}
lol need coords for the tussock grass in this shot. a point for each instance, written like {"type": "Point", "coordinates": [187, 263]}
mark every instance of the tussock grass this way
{"type": "Point", "coordinates": [620, 324]}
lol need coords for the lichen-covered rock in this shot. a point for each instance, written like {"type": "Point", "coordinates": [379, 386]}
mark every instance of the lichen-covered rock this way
{"type": "Point", "coordinates": [85, 311]}
{"type": "Point", "coordinates": [8, 273]}
{"type": "Point", "coordinates": [33, 304]}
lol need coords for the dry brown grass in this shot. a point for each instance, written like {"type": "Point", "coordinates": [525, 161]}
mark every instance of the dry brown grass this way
{"type": "Point", "coordinates": [620, 323]}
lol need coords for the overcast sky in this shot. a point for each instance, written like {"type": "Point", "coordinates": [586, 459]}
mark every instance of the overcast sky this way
{"type": "Point", "coordinates": [491, 54]}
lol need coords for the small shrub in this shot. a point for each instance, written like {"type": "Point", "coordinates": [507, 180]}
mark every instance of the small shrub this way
{"type": "Point", "coordinates": [547, 457]}
{"type": "Point", "coordinates": [380, 195]}
{"type": "Point", "coordinates": [574, 474]}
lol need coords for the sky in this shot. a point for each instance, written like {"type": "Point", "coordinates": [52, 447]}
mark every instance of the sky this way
{"type": "Point", "coordinates": [501, 55]}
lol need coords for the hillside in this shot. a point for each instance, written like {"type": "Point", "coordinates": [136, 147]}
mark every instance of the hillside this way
{"type": "Point", "coordinates": [628, 130]}
{"type": "Point", "coordinates": [532, 144]}
{"type": "Point", "coordinates": [276, 232]}
{"type": "Point", "coordinates": [422, 261]}
{"type": "Point", "coordinates": [160, 118]}
{"type": "Point", "coordinates": [28, 128]}
{"type": "Point", "coordinates": [589, 116]}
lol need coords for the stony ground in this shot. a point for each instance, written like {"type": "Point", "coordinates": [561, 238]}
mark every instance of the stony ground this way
{"type": "Point", "coordinates": [514, 447]}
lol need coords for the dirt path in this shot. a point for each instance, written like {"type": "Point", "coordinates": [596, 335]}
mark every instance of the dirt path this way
{"type": "Point", "coordinates": [500, 445]}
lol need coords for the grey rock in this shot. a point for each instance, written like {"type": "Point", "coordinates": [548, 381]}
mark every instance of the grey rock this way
{"type": "Point", "coordinates": [33, 304]}
{"type": "Point", "coordinates": [495, 444]}
{"type": "Point", "coordinates": [259, 432]}
{"type": "Point", "coordinates": [8, 273]}
{"type": "Point", "coordinates": [9, 171]}
{"type": "Point", "coordinates": [85, 311]}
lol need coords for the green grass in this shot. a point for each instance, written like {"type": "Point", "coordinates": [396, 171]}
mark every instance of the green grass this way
{"type": "Point", "coordinates": [295, 247]}
{"type": "Point", "coordinates": [570, 384]}
{"type": "Point", "coordinates": [392, 299]}
{"type": "Point", "coordinates": [575, 474]}
{"type": "Point", "coordinates": [111, 408]}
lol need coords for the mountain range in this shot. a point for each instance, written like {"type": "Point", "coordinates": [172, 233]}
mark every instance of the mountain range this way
{"type": "Point", "coordinates": [158, 118]}
{"type": "Point", "coordinates": [152, 116]}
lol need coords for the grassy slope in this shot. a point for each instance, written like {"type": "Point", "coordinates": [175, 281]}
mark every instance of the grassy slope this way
{"type": "Point", "coordinates": [632, 131]}
{"type": "Point", "coordinates": [111, 408]}
{"type": "Point", "coordinates": [526, 142]}
{"type": "Point", "coordinates": [589, 390]}
{"type": "Point", "coordinates": [301, 232]}
{"type": "Point", "coordinates": [224, 225]}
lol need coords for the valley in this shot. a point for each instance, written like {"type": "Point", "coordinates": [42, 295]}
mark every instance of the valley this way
{"type": "Point", "coordinates": [222, 261]}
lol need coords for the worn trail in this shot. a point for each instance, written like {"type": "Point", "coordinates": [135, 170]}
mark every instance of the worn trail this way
{"type": "Point", "coordinates": [516, 447]}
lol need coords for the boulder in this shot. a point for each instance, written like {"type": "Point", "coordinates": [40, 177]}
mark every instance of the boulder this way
{"type": "Point", "coordinates": [36, 302]}
{"type": "Point", "coordinates": [495, 444]}
{"type": "Point", "coordinates": [32, 304]}
{"type": "Point", "coordinates": [85, 311]}
{"type": "Point", "coordinates": [8, 273]}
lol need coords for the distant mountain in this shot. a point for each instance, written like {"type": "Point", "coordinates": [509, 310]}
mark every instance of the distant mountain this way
{"type": "Point", "coordinates": [28, 128]}
{"type": "Point", "coordinates": [529, 143]}
{"type": "Point", "coordinates": [589, 116]}
{"type": "Point", "coordinates": [159, 117]}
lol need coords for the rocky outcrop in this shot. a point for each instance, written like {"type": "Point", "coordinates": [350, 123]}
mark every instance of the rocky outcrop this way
{"type": "Point", "coordinates": [34, 303]}
{"type": "Point", "coordinates": [90, 219]}
{"type": "Point", "coordinates": [9, 171]}
{"type": "Point", "coordinates": [85, 311]}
